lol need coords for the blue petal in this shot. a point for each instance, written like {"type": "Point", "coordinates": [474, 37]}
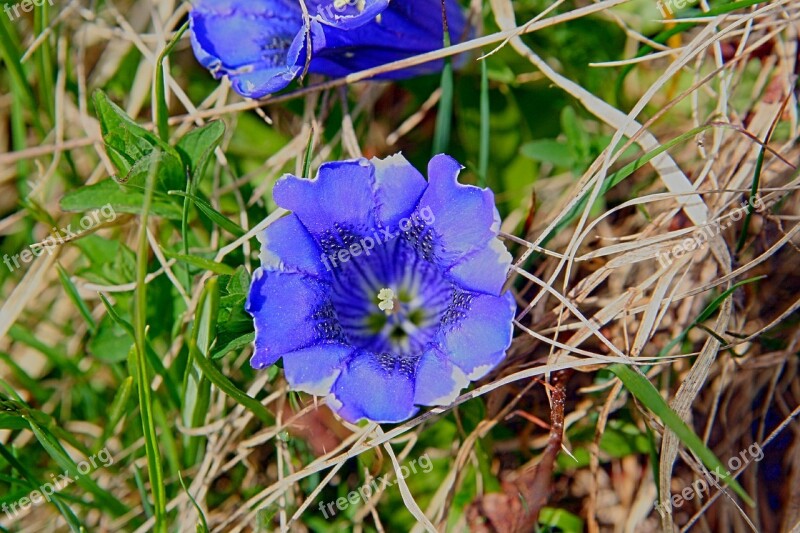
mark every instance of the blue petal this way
{"type": "Point", "coordinates": [340, 197]}
{"type": "Point", "coordinates": [288, 313]}
{"type": "Point", "coordinates": [315, 369]}
{"type": "Point", "coordinates": [484, 270]}
{"type": "Point", "coordinates": [286, 245]}
{"type": "Point", "coordinates": [404, 29]}
{"type": "Point", "coordinates": [348, 14]}
{"type": "Point", "coordinates": [477, 335]}
{"type": "Point", "coordinates": [466, 218]}
{"type": "Point", "coordinates": [438, 381]}
{"type": "Point", "coordinates": [398, 188]}
{"type": "Point", "coordinates": [370, 388]}
{"type": "Point", "coordinates": [256, 43]}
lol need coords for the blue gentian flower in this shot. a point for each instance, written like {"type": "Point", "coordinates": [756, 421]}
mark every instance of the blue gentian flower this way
{"type": "Point", "coordinates": [261, 45]}
{"type": "Point", "coordinates": [381, 289]}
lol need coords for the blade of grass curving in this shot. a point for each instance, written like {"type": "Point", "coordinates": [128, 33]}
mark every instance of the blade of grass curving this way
{"type": "Point", "coordinates": [202, 263]}
{"type": "Point", "coordinates": [218, 218]}
{"type": "Point", "coordinates": [23, 409]}
{"type": "Point", "coordinates": [645, 392]}
{"type": "Point", "coordinates": [72, 521]}
{"type": "Point", "coordinates": [160, 110]}
{"type": "Point", "coordinates": [203, 525]}
{"type": "Point", "coordinates": [617, 177]}
{"type": "Point", "coordinates": [154, 467]}
{"type": "Point", "coordinates": [137, 477]}
{"type": "Point", "coordinates": [72, 293]}
{"type": "Point", "coordinates": [54, 449]}
{"type": "Point", "coordinates": [225, 385]}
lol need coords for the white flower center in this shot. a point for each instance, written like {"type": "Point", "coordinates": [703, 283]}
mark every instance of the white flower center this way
{"type": "Point", "coordinates": [386, 299]}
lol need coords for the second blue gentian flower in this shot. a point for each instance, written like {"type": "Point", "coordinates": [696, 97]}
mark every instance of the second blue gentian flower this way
{"type": "Point", "coordinates": [261, 45]}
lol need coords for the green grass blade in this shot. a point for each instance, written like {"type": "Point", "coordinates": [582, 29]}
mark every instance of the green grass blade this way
{"type": "Point", "coordinates": [196, 388]}
{"type": "Point", "coordinates": [72, 520]}
{"type": "Point", "coordinates": [483, 155]}
{"type": "Point", "coordinates": [44, 61]}
{"type": "Point", "coordinates": [309, 155]}
{"type": "Point", "coordinates": [218, 218]}
{"type": "Point", "coordinates": [615, 178]}
{"type": "Point", "coordinates": [152, 357]}
{"type": "Point", "coordinates": [154, 467]}
{"type": "Point", "coordinates": [645, 392]}
{"type": "Point", "coordinates": [224, 384]}
{"type": "Point", "coordinates": [444, 118]}
{"type": "Point", "coordinates": [202, 263]}
{"type": "Point", "coordinates": [160, 109]}
{"type": "Point", "coordinates": [239, 342]}
{"type": "Point", "coordinates": [705, 314]}
{"type": "Point", "coordinates": [119, 407]}
{"type": "Point", "coordinates": [53, 448]}
{"type": "Point", "coordinates": [203, 525]}
{"type": "Point", "coordinates": [72, 293]}
{"type": "Point", "coordinates": [753, 191]}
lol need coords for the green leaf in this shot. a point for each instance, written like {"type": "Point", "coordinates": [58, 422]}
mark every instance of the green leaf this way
{"type": "Point", "coordinates": [197, 146]}
{"type": "Point", "coordinates": [645, 392]}
{"type": "Point", "coordinates": [132, 148]}
{"type": "Point", "coordinates": [235, 344]}
{"type": "Point", "coordinates": [565, 521]}
{"type": "Point", "coordinates": [577, 139]}
{"type": "Point", "coordinates": [201, 262]}
{"type": "Point", "coordinates": [12, 421]}
{"type": "Point", "coordinates": [170, 172]}
{"type": "Point", "coordinates": [111, 343]}
{"type": "Point", "coordinates": [126, 141]}
{"type": "Point", "coordinates": [549, 151]}
{"type": "Point", "coordinates": [108, 192]}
